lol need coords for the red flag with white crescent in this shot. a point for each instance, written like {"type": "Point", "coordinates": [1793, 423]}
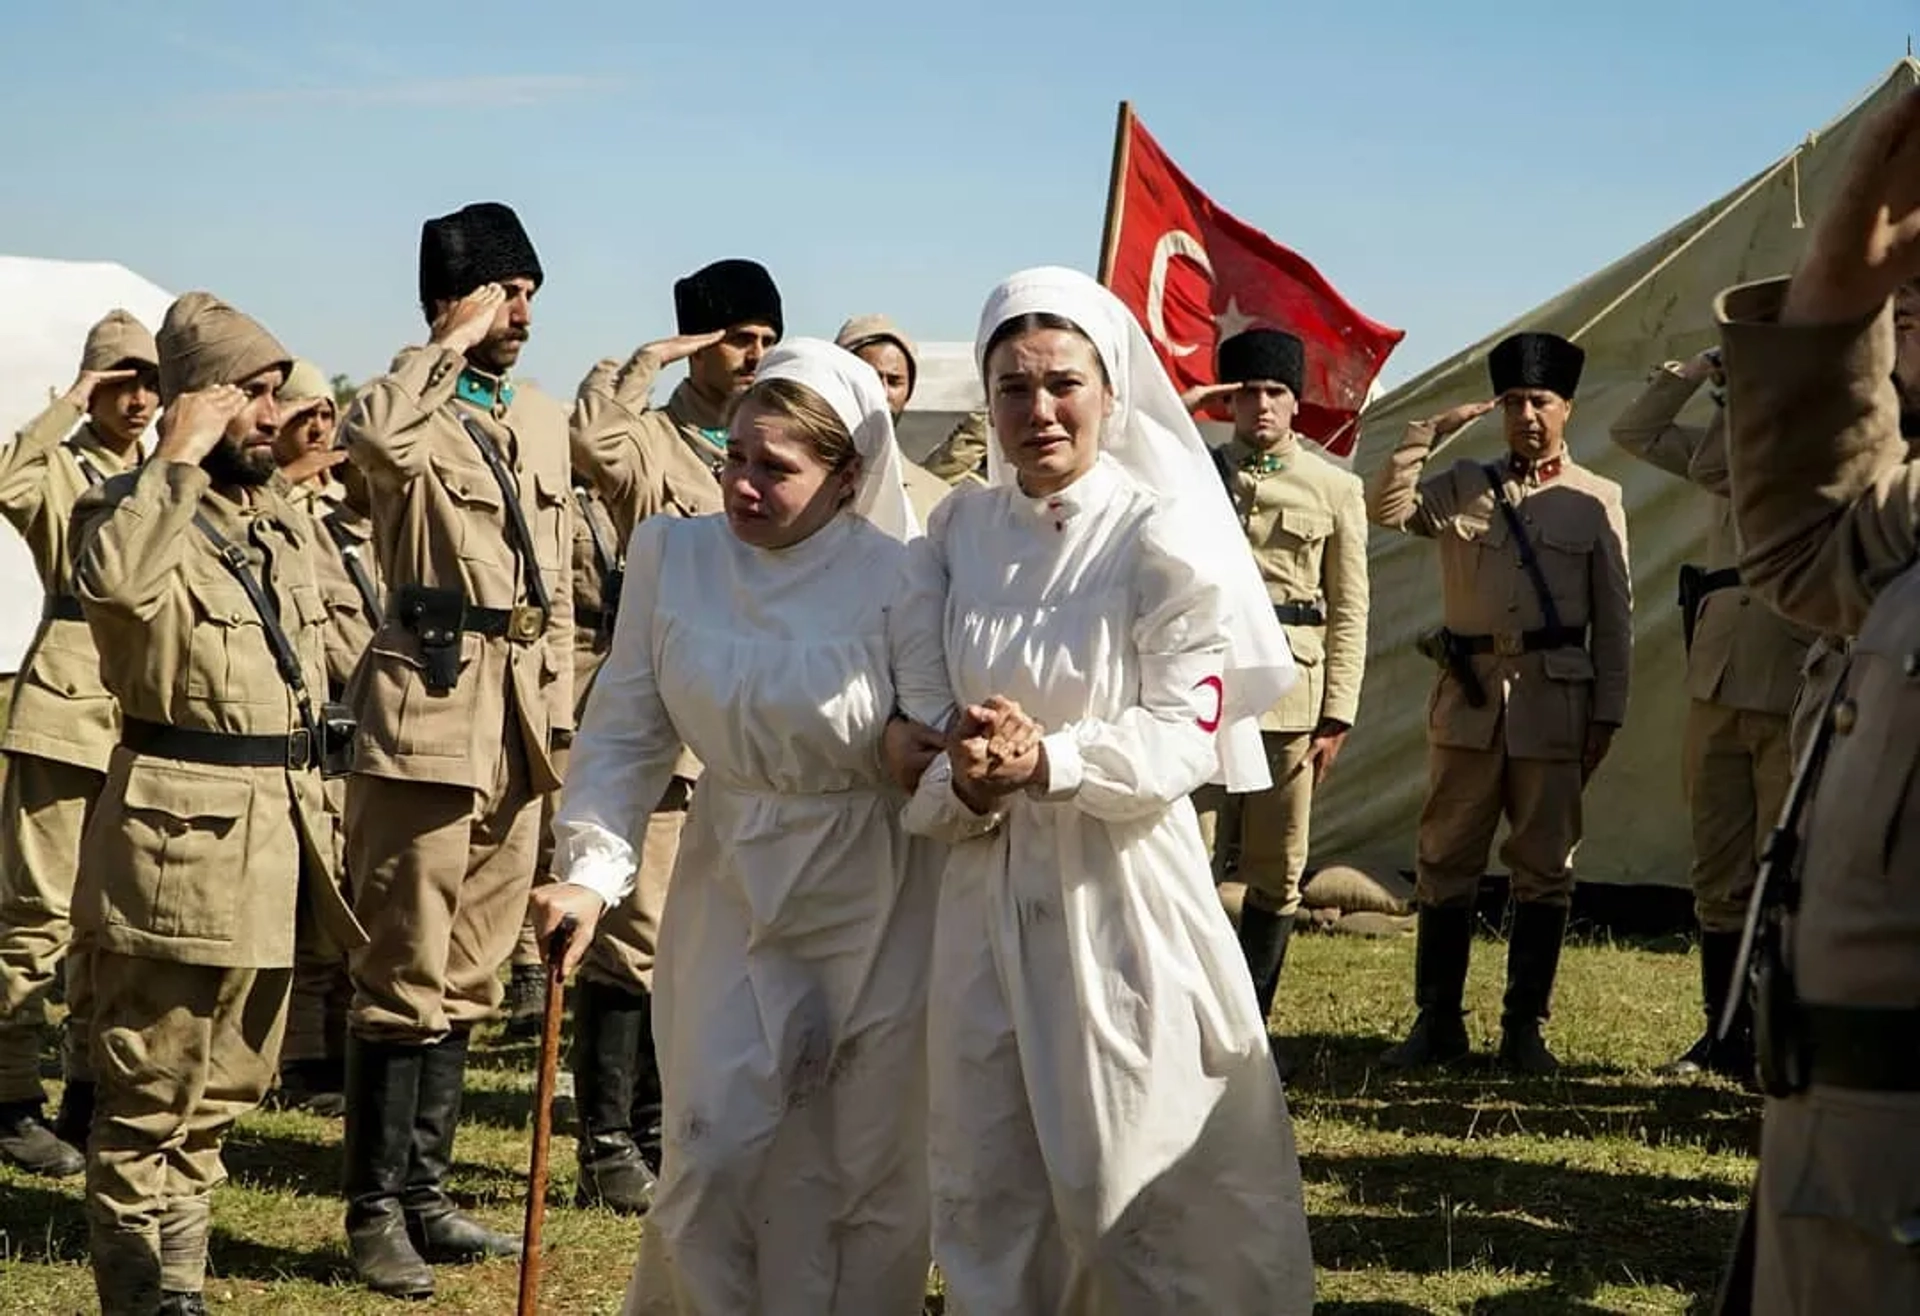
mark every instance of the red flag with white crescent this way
{"type": "Point", "coordinates": [1193, 275]}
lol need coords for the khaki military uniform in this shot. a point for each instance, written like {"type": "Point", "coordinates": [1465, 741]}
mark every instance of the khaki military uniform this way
{"type": "Point", "coordinates": [442, 810]}
{"type": "Point", "coordinates": [61, 730]}
{"type": "Point", "coordinates": [1520, 753]}
{"type": "Point", "coordinates": [598, 554]}
{"type": "Point", "coordinates": [1306, 522]}
{"type": "Point", "coordinates": [349, 580]}
{"type": "Point", "coordinates": [1742, 672]}
{"type": "Point", "coordinates": [192, 873]}
{"type": "Point", "coordinates": [646, 461]}
{"type": "Point", "coordinates": [925, 490]}
{"type": "Point", "coordinates": [959, 455]}
{"type": "Point", "coordinates": [1825, 497]}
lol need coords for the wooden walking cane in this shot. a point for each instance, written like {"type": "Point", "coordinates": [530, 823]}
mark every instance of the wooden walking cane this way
{"type": "Point", "coordinates": [543, 1117]}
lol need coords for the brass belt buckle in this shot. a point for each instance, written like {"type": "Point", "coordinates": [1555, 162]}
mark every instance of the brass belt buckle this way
{"type": "Point", "coordinates": [1509, 644]}
{"type": "Point", "coordinates": [526, 623]}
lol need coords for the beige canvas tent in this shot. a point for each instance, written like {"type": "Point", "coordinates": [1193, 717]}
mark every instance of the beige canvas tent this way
{"type": "Point", "coordinates": [51, 304]}
{"type": "Point", "coordinates": [1650, 306]}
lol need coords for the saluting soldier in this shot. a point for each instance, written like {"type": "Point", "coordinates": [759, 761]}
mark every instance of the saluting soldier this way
{"type": "Point", "coordinates": [1306, 522]}
{"type": "Point", "coordinates": [1537, 662]}
{"type": "Point", "coordinates": [647, 461]}
{"type": "Point", "coordinates": [198, 580]}
{"type": "Point", "coordinates": [60, 731]}
{"type": "Point", "coordinates": [1743, 671]}
{"type": "Point", "coordinates": [1827, 503]}
{"type": "Point", "coordinates": [883, 345]}
{"type": "Point", "coordinates": [465, 692]}
{"type": "Point", "coordinates": [313, 1061]}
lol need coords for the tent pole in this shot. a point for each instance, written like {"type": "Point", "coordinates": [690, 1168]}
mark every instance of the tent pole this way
{"type": "Point", "coordinates": [1116, 187]}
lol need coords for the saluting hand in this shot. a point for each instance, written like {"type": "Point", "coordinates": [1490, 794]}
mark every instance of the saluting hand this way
{"type": "Point", "coordinates": [1867, 243]}
{"type": "Point", "coordinates": [82, 391]}
{"type": "Point", "coordinates": [1448, 421]}
{"type": "Point", "coordinates": [193, 426]}
{"type": "Point", "coordinates": [682, 346]}
{"type": "Point", "coordinates": [467, 322]}
{"type": "Point", "coordinates": [308, 465]}
{"type": "Point", "coordinates": [1196, 398]}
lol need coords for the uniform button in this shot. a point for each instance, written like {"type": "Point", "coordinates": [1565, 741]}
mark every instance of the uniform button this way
{"type": "Point", "coordinates": [1911, 665]}
{"type": "Point", "coordinates": [1845, 715]}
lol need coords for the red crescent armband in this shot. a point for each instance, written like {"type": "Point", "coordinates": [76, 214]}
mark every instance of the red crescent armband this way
{"type": "Point", "coordinates": [1211, 725]}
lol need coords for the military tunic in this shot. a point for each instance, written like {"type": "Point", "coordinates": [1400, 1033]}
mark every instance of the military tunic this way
{"type": "Point", "coordinates": [646, 461]}
{"type": "Point", "coordinates": [443, 809]}
{"type": "Point", "coordinates": [60, 730]}
{"type": "Point", "coordinates": [349, 580]}
{"type": "Point", "coordinates": [1827, 501]}
{"type": "Point", "coordinates": [1305, 520]}
{"type": "Point", "coordinates": [192, 874]}
{"type": "Point", "coordinates": [1743, 670]}
{"type": "Point", "coordinates": [1520, 753]}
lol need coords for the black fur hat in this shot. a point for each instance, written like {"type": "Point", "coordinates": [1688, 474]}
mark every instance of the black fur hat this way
{"type": "Point", "coordinates": [726, 293]}
{"type": "Point", "coordinates": [1535, 360]}
{"type": "Point", "coordinates": [1264, 354]}
{"type": "Point", "coordinates": [477, 244]}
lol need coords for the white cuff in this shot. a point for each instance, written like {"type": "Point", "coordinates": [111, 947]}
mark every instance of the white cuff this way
{"type": "Point", "coordinates": [594, 858]}
{"type": "Point", "coordinates": [1065, 768]}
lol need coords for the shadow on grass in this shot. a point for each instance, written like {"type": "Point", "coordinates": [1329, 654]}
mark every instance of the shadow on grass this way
{"type": "Point", "coordinates": [1340, 1077]}
{"type": "Point", "coordinates": [1437, 1212]}
{"type": "Point", "coordinates": [41, 1226]}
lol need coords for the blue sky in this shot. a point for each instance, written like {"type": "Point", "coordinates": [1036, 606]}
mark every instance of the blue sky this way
{"type": "Point", "coordinates": [1446, 165]}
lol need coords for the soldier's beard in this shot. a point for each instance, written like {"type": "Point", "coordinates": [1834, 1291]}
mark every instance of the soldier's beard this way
{"type": "Point", "coordinates": [233, 465]}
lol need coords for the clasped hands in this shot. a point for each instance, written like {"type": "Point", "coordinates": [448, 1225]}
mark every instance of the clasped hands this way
{"type": "Point", "coordinates": [994, 747]}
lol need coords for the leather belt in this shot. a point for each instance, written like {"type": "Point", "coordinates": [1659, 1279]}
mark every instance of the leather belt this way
{"type": "Point", "coordinates": [1513, 643]}
{"type": "Point", "coordinates": [1299, 614]}
{"type": "Point", "coordinates": [295, 751]}
{"type": "Point", "coordinates": [61, 607]}
{"type": "Point", "coordinates": [1869, 1048]}
{"type": "Point", "coordinates": [523, 623]}
{"type": "Point", "coordinates": [1714, 581]}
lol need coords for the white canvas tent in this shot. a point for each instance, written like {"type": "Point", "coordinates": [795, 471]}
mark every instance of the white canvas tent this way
{"type": "Point", "coordinates": [1652, 305]}
{"type": "Point", "coordinates": [50, 306]}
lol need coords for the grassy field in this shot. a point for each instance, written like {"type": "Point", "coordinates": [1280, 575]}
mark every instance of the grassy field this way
{"type": "Point", "coordinates": [1605, 1190]}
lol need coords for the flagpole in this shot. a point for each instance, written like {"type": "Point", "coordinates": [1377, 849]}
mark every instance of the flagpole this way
{"type": "Point", "coordinates": [1116, 186]}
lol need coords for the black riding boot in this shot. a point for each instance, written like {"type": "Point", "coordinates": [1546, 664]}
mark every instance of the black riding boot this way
{"type": "Point", "coordinates": [441, 1232]}
{"type": "Point", "coordinates": [1263, 939]}
{"type": "Point", "coordinates": [383, 1083]}
{"type": "Point", "coordinates": [1533, 958]}
{"type": "Point", "coordinates": [609, 1030]}
{"type": "Point", "coordinates": [1439, 1033]}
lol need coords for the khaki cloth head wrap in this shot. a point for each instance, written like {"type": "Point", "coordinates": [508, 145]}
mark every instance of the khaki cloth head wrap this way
{"type": "Point", "coordinates": [203, 342]}
{"type": "Point", "coordinates": [864, 329]}
{"type": "Point", "coordinates": [117, 340]}
{"type": "Point", "coordinates": [305, 380]}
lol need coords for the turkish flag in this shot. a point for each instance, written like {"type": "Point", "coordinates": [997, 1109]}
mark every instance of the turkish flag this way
{"type": "Point", "coordinates": [1193, 275]}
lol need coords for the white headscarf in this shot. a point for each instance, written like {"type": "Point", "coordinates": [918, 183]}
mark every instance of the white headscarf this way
{"type": "Point", "coordinates": [854, 391]}
{"type": "Point", "coordinates": [1153, 437]}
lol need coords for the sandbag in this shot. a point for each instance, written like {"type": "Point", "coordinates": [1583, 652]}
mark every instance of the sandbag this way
{"type": "Point", "coordinates": [1355, 890]}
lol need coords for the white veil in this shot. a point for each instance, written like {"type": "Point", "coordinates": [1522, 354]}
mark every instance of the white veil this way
{"type": "Point", "coordinates": [850, 386]}
{"type": "Point", "coordinates": [1154, 438]}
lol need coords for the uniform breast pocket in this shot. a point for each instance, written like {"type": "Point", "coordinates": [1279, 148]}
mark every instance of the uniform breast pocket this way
{"type": "Point", "coordinates": [1563, 553]}
{"type": "Point", "coordinates": [184, 839]}
{"type": "Point", "coordinates": [690, 499]}
{"type": "Point", "coordinates": [474, 499]}
{"type": "Point", "coordinates": [228, 657]}
{"type": "Point", "coordinates": [1301, 527]}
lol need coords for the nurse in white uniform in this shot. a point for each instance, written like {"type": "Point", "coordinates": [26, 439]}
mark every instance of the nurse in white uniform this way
{"type": "Point", "coordinates": [790, 996]}
{"type": "Point", "coordinates": [1108, 1135]}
